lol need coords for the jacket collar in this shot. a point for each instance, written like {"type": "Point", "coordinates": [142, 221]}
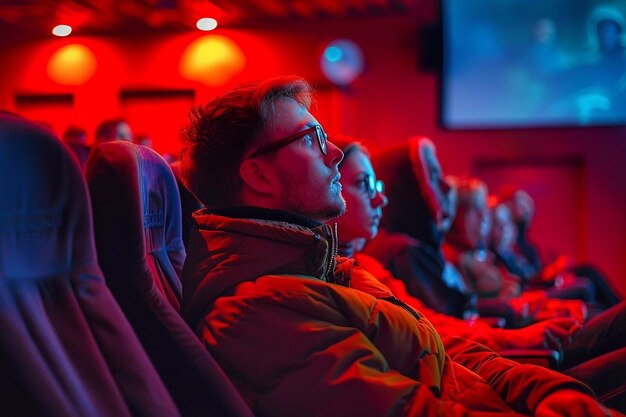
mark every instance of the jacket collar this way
{"type": "Point", "coordinates": [251, 212]}
{"type": "Point", "coordinates": [227, 251]}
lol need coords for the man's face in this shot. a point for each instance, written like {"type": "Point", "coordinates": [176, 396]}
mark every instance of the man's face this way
{"type": "Point", "coordinates": [307, 180]}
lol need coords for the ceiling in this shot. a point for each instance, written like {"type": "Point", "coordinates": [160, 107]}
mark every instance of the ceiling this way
{"type": "Point", "coordinates": [26, 19]}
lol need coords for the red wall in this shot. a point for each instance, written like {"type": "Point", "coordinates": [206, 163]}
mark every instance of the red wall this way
{"type": "Point", "coordinates": [390, 102]}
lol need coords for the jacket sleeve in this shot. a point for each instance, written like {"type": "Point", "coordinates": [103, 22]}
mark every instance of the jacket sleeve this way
{"type": "Point", "coordinates": [303, 355]}
{"type": "Point", "coordinates": [449, 326]}
{"type": "Point", "coordinates": [521, 386]}
{"type": "Point", "coordinates": [446, 325]}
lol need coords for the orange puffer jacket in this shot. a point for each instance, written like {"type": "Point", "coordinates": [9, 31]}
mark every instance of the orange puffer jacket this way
{"type": "Point", "coordinates": [270, 302]}
{"type": "Point", "coordinates": [477, 331]}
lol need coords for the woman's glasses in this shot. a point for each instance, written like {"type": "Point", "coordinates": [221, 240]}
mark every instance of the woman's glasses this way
{"type": "Point", "coordinates": [372, 186]}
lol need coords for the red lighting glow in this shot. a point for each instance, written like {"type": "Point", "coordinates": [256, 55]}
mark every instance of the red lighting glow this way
{"type": "Point", "coordinates": [212, 60]}
{"type": "Point", "coordinates": [62, 30]}
{"type": "Point", "coordinates": [73, 64]}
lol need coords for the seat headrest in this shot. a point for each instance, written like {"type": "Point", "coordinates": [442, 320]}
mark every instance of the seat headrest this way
{"type": "Point", "coordinates": [137, 212]}
{"type": "Point", "coordinates": [44, 209]}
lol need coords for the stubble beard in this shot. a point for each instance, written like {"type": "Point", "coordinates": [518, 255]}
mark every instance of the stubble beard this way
{"type": "Point", "coordinates": [299, 199]}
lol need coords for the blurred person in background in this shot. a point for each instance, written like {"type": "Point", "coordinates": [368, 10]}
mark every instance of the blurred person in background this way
{"type": "Point", "coordinates": [113, 129]}
{"type": "Point", "coordinates": [76, 139]}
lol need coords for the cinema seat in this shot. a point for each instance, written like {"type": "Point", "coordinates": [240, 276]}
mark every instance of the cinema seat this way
{"type": "Point", "coordinates": [66, 348]}
{"type": "Point", "coordinates": [137, 221]}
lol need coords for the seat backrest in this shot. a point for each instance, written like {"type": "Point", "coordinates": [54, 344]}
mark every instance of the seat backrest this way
{"type": "Point", "coordinates": [66, 348]}
{"type": "Point", "coordinates": [188, 203]}
{"type": "Point", "coordinates": [136, 219]}
{"type": "Point", "coordinates": [137, 223]}
{"type": "Point", "coordinates": [81, 151]}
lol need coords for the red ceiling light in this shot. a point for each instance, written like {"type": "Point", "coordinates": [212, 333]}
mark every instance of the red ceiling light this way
{"type": "Point", "coordinates": [62, 30]}
{"type": "Point", "coordinates": [72, 64]}
{"type": "Point", "coordinates": [206, 24]}
{"type": "Point", "coordinates": [212, 60]}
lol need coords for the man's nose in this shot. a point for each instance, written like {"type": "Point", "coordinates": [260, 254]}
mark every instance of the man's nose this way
{"type": "Point", "coordinates": [333, 153]}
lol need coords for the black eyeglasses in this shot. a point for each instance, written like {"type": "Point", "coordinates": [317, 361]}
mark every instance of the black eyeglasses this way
{"type": "Point", "coordinates": [321, 136]}
{"type": "Point", "coordinates": [372, 186]}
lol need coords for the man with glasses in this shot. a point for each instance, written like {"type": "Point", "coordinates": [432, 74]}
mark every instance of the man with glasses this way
{"type": "Point", "coordinates": [264, 290]}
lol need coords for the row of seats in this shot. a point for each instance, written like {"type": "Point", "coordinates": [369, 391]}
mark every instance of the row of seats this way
{"type": "Point", "coordinates": [86, 333]}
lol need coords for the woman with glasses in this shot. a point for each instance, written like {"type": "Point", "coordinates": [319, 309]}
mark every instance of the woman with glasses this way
{"type": "Point", "coordinates": [363, 194]}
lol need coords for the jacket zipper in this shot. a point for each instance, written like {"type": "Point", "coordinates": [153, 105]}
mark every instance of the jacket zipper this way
{"type": "Point", "coordinates": [330, 266]}
{"type": "Point", "coordinates": [394, 300]}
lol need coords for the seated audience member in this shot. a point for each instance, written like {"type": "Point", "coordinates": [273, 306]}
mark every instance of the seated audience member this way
{"type": "Point", "coordinates": [467, 240]}
{"type": "Point", "coordinates": [364, 203]}
{"type": "Point", "coordinates": [113, 129]}
{"type": "Point", "coordinates": [451, 276]}
{"type": "Point", "coordinates": [267, 296]}
{"type": "Point", "coordinates": [522, 209]}
{"type": "Point", "coordinates": [409, 242]}
{"type": "Point", "coordinates": [467, 245]}
{"type": "Point", "coordinates": [503, 235]}
{"type": "Point", "coordinates": [502, 242]}
{"type": "Point", "coordinates": [76, 139]}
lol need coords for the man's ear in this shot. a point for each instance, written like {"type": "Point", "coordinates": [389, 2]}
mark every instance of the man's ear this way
{"type": "Point", "coordinates": [255, 174]}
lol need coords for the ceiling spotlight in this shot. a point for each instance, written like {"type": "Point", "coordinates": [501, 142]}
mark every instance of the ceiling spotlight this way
{"type": "Point", "coordinates": [62, 30]}
{"type": "Point", "coordinates": [206, 23]}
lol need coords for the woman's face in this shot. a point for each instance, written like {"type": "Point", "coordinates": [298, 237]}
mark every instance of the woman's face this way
{"type": "Point", "coordinates": [363, 212]}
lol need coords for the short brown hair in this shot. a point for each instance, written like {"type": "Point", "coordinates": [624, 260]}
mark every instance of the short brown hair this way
{"type": "Point", "coordinates": [221, 132]}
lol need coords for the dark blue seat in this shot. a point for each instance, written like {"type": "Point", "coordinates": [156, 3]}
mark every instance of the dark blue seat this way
{"type": "Point", "coordinates": [66, 348]}
{"type": "Point", "coordinates": [137, 218]}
